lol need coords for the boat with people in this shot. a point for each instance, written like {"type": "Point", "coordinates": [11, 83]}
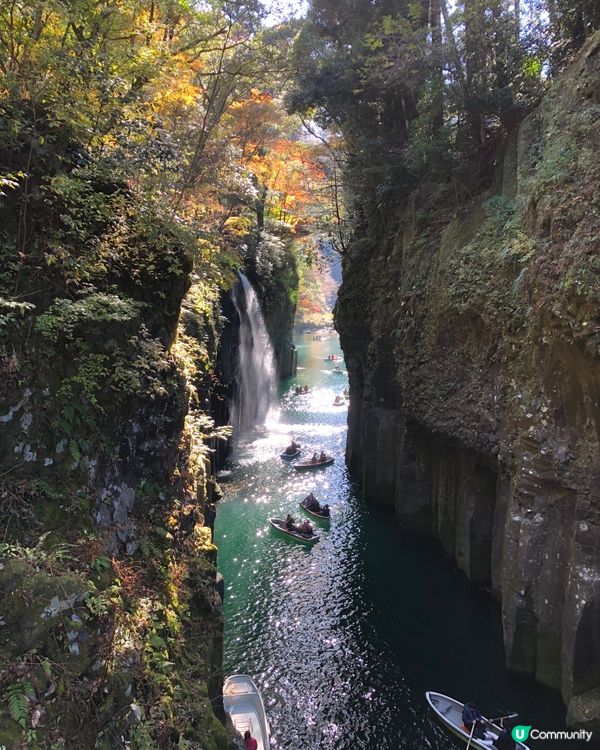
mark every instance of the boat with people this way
{"type": "Point", "coordinates": [339, 401]}
{"type": "Point", "coordinates": [450, 712]}
{"type": "Point", "coordinates": [323, 514]}
{"type": "Point", "coordinates": [295, 454]}
{"type": "Point", "coordinates": [315, 462]}
{"type": "Point", "coordinates": [292, 450]}
{"type": "Point", "coordinates": [293, 531]}
{"type": "Point", "coordinates": [338, 370]}
{"type": "Point", "coordinates": [244, 704]}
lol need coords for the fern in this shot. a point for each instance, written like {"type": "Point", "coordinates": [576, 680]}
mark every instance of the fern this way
{"type": "Point", "coordinates": [47, 667]}
{"type": "Point", "coordinates": [74, 451]}
{"type": "Point", "coordinates": [18, 703]}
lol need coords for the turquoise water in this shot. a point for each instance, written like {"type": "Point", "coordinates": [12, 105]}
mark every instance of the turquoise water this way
{"type": "Point", "coordinates": [344, 638]}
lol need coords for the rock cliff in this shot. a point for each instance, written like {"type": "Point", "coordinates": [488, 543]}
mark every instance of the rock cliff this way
{"type": "Point", "coordinates": [472, 338]}
{"type": "Point", "coordinates": [111, 628]}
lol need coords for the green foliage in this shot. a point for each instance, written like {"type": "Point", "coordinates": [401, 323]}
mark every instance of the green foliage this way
{"type": "Point", "coordinates": [11, 312]}
{"type": "Point", "coordinates": [9, 182]}
{"type": "Point", "coordinates": [144, 369]}
{"type": "Point", "coordinates": [18, 695]}
{"type": "Point", "coordinates": [66, 317]}
{"type": "Point", "coordinates": [97, 604]}
{"type": "Point", "coordinates": [560, 153]}
{"type": "Point", "coordinates": [101, 565]}
{"type": "Point", "coordinates": [422, 95]}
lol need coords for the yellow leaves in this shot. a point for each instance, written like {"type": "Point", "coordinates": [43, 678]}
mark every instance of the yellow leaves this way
{"type": "Point", "coordinates": [237, 226]}
{"type": "Point", "coordinates": [179, 93]}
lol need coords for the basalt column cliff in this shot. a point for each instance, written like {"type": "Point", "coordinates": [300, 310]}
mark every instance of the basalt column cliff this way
{"type": "Point", "coordinates": [475, 381]}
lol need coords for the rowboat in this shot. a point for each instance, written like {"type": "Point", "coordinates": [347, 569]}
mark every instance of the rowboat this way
{"type": "Point", "coordinates": [338, 371]}
{"type": "Point", "coordinates": [339, 403]}
{"type": "Point", "coordinates": [305, 465]}
{"type": "Point", "coordinates": [279, 525]}
{"type": "Point", "coordinates": [449, 712]}
{"type": "Point", "coordinates": [319, 516]}
{"type": "Point", "coordinates": [290, 455]}
{"type": "Point", "coordinates": [244, 704]}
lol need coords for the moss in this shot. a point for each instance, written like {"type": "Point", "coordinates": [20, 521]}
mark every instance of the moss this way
{"type": "Point", "coordinates": [104, 461]}
{"type": "Point", "coordinates": [476, 325]}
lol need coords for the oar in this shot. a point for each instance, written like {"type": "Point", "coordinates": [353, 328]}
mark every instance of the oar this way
{"type": "Point", "coordinates": [500, 718]}
{"type": "Point", "coordinates": [471, 735]}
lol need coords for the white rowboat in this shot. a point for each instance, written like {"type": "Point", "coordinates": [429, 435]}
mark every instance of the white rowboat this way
{"type": "Point", "coordinates": [279, 525]}
{"type": "Point", "coordinates": [244, 704]}
{"type": "Point", "coordinates": [449, 712]}
{"type": "Point", "coordinates": [305, 465]}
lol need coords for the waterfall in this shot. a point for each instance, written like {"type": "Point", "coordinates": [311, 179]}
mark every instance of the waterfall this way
{"type": "Point", "coordinates": [254, 395]}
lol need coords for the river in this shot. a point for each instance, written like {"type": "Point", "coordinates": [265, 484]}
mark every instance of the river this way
{"type": "Point", "coordinates": [344, 638]}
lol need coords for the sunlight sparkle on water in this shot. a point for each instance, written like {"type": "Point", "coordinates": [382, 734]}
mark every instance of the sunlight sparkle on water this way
{"type": "Point", "coordinates": [343, 638]}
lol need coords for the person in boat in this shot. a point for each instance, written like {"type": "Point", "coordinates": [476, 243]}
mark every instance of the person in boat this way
{"type": "Point", "coordinates": [312, 503]}
{"type": "Point", "coordinates": [306, 389]}
{"type": "Point", "coordinates": [306, 528]}
{"type": "Point", "coordinates": [504, 741]}
{"type": "Point", "coordinates": [249, 742]}
{"type": "Point", "coordinates": [473, 720]}
{"type": "Point", "coordinates": [325, 510]}
{"type": "Point", "coordinates": [290, 523]}
{"type": "Point", "coordinates": [314, 458]}
{"type": "Point", "coordinates": [292, 448]}
{"type": "Point", "coordinates": [323, 456]}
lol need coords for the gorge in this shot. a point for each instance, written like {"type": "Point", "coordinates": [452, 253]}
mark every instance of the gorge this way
{"type": "Point", "coordinates": [176, 180]}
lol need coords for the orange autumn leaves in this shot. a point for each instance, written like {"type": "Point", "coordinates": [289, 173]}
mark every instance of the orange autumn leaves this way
{"type": "Point", "coordinates": [285, 161]}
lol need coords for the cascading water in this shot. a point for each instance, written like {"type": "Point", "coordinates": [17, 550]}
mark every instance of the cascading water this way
{"type": "Point", "coordinates": [255, 394]}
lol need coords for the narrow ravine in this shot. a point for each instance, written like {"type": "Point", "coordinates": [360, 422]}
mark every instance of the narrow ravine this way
{"type": "Point", "coordinates": [344, 639]}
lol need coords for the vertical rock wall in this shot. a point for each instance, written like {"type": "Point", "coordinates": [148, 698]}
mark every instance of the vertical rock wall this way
{"type": "Point", "coordinates": [112, 629]}
{"type": "Point", "coordinates": [475, 381]}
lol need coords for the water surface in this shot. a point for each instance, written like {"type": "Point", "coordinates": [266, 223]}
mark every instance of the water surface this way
{"type": "Point", "coordinates": [344, 638]}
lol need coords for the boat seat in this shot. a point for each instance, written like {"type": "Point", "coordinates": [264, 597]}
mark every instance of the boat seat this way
{"type": "Point", "coordinates": [243, 720]}
{"type": "Point", "coordinates": [448, 708]}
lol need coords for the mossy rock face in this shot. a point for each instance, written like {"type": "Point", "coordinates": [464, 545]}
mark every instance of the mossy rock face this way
{"type": "Point", "coordinates": [472, 338]}
{"type": "Point", "coordinates": [34, 603]}
{"type": "Point", "coordinates": [110, 623]}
